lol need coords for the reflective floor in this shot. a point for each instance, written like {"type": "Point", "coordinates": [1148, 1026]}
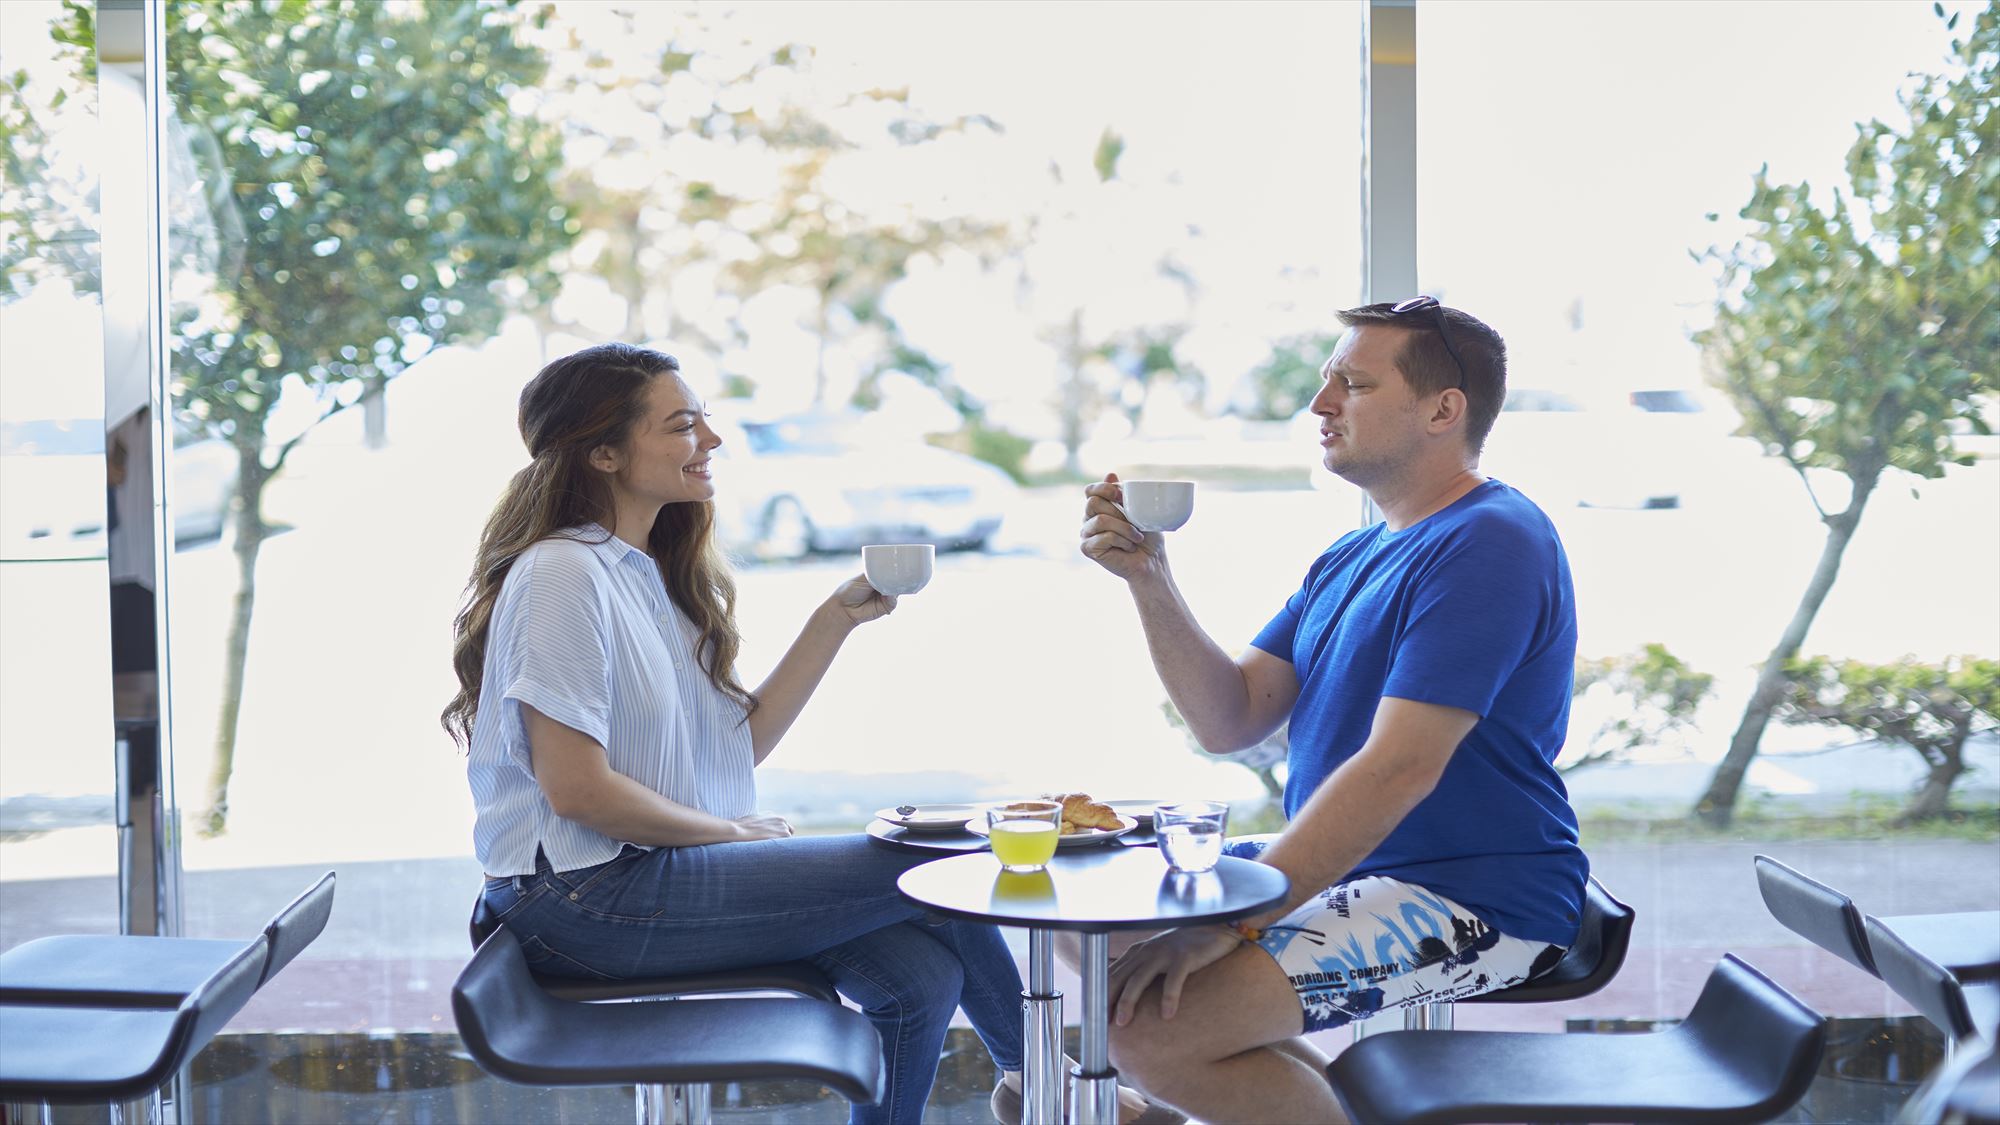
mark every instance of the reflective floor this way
{"type": "Point", "coordinates": [1871, 1067]}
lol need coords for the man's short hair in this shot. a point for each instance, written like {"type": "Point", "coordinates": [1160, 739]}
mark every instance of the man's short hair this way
{"type": "Point", "coordinates": [1428, 368]}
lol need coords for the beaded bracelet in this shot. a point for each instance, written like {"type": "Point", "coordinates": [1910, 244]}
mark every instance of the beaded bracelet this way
{"type": "Point", "coordinates": [1245, 930]}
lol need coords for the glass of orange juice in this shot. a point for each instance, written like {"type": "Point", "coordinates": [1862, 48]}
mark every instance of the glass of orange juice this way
{"type": "Point", "coordinates": [1024, 833]}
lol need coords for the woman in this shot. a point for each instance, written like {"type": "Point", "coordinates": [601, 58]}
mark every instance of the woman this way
{"type": "Point", "coordinates": [611, 746]}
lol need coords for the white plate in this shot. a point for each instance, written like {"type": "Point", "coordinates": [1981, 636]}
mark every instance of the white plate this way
{"type": "Point", "coordinates": [1074, 839]}
{"type": "Point", "coordinates": [1141, 811]}
{"type": "Point", "coordinates": [932, 818]}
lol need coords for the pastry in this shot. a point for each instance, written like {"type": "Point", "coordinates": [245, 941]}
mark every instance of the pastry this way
{"type": "Point", "coordinates": [1081, 811]}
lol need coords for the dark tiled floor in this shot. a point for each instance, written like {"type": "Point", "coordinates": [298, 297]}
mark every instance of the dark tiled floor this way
{"type": "Point", "coordinates": [1871, 1066]}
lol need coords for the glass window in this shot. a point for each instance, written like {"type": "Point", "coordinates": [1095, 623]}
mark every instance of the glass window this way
{"type": "Point", "coordinates": [58, 847]}
{"type": "Point", "coordinates": [1571, 181]}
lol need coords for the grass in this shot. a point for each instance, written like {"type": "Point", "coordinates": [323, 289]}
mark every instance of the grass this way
{"type": "Point", "coordinates": [1862, 818]}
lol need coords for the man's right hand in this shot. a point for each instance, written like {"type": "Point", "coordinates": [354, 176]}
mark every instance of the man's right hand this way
{"type": "Point", "coordinates": [1110, 540]}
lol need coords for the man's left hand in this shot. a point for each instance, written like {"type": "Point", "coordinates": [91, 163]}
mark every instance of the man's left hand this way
{"type": "Point", "coordinates": [1170, 958]}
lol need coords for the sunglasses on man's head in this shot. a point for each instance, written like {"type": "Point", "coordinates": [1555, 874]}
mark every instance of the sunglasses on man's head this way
{"type": "Point", "coordinates": [1430, 304]}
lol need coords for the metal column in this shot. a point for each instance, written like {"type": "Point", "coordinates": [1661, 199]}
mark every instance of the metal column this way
{"type": "Point", "coordinates": [131, 58]}
{"type": "Point", "coordinates": [1388, 159]}
{"type": "Point", "coordinates": [1041, 1035]}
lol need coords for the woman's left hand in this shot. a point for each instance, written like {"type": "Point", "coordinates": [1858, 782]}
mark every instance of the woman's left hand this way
{"type": "Point", "coordinates": [1171, 958]}
{"type": "Point", "coordinates": [860, 602]}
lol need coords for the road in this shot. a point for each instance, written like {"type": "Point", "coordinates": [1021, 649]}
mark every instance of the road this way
{"type": "Point", "coordinates": [1019, 670]}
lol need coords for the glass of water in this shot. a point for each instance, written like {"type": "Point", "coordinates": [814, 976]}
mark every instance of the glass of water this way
{"type": "Point", "coordinates": [1191, 833]}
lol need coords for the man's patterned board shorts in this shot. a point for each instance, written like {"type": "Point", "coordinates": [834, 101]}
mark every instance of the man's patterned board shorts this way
{"type": "Point", "coordinates": [1376, 944]}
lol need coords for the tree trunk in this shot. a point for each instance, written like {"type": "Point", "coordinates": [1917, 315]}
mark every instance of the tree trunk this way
{"type": "Point", "coordinates": [1933, 799]}
{"type": "Point", "coordinates": [375, 412]}
{"type": "Point", "coordinates": [819, 351]}
{"type": "Point", "coordinates": [1717, 806]}
{"type": "Point", "coordinates": [250, 534]}
{"type": "Point", "coordinates": [1075, 395]}
{"type": "Point", "coordinates": [627, 277]}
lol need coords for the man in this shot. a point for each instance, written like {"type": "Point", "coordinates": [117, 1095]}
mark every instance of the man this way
{"type": "Point", "coordinates": [1425, 668]}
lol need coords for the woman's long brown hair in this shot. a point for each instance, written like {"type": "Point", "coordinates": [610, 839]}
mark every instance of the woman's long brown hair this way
{"type": "Point", "coordinates": [575, 404]}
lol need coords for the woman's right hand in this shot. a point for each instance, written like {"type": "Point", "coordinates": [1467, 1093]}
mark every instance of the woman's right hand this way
{"type": "Point", "coordinates": [1110, 540]}
{"type": "Point", "coordinates": [762, 826]}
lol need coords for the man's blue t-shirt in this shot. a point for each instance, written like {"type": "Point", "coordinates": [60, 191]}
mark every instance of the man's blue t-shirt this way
{"type": "Point", "coordinates": [1470, 608]}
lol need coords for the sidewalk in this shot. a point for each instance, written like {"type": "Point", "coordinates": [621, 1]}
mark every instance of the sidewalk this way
{"type": "Point", "coordinates": [398, 934]}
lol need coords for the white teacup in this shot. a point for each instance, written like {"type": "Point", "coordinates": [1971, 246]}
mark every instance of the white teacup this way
{"type": "Point", "coordinates": [898, 568]}
{"type": "Point", "coordinates": [1158, 505]}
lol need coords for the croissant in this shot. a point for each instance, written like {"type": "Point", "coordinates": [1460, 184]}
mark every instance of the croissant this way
{"type": "Point", "coordinates": [1080, 810]}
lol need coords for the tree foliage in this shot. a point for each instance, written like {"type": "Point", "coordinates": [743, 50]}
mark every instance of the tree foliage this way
{"type": "Point", "coordinates": [368, 184]}
{"type": "Point", "coordinates": [391, 194]}
{"type": "Point", "coordinates": [1658, 696]}
{"type": "Point", "coordinates": [45, 206]}
{"type": "Point", "coordinates": [1286, 381]}
{"type": "Point", "coordinates": [1854, 336]}
{"type": "Point", "coordinates": [735, 176]}
{"type": "Point", "coordinates": [1930, 708]}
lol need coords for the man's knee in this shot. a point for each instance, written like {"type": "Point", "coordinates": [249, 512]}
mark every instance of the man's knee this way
{"type": "Point", "coordinates": [1152, 1050]}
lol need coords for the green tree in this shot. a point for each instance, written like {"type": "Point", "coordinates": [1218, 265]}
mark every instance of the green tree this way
{"type": "Point", "coordinates": [392, 197]}
{"type": "Point", "coordinates": [46, 210]}
{"type": "Point", "coordinates": [1658, 696]}
{"type": "Point", "coordinates": [1287, 380]}
{"type": "Point", "coordinates": [735, 176]}
{"type": "Point", "coordinates": [1930, 708]}
{"type": "Point", "coordinates": [1102, 274]}
{"type": "Point", "coordinates": [1852, 337]}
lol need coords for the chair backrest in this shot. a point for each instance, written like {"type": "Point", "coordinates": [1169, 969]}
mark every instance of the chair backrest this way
{"type": "Point", "coordinates": [205, 1011]}
{"type": "Point", "coordinates": [1760, 1031]}
{"type": "Point", "coordinates": [1928, 986]}
{"type": "Point", "coordinates": [1815, 911]}
{"type": "Point", "coordinates": [1602, 939]}
{"type": "Point", "coordinates": [297, 925]}
{"type": "Point", "coordinates": [495, 1000]}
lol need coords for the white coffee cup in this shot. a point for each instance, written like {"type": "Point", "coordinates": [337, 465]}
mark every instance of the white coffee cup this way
{"type": "Point", "coordinates": [1158, 505]}
{"type": "Point", "coordinates": [898, 568]}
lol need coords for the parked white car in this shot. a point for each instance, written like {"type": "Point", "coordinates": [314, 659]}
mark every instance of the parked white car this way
{"type": "Point", "coordinates": [53, 488]}
{"type": "Point", "coordinates": [789, 486]}
{"type": "Point", "coordinates": [1630, 450]}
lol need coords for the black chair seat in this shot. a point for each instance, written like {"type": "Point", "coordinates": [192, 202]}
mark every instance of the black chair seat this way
{"type": "Point", "coordinates": [1967, 945]}
{"type": "Point", "coordinates": [70, 1053]}
{"type": "Point", "coordinates": [114, 971]}
{"type": "Point", "coordinates": [795, 977]}
{"type": "Point", "coordinates": [130, 971]}
{"type": "Point", "coordinates": [1746, 1052]}
{"type": "Point", "coordinates": [518, 1032]}
{"type": "Point", "coordinates": [1815, 911]}
{"type": "Point", "coordinates": [1962, 1011]}
{"type": "Point", "coordinates": [1601, 943]}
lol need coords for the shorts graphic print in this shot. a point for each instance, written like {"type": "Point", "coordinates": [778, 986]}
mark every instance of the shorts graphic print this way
{"type": "Point", "coordinates": [1376, 944]}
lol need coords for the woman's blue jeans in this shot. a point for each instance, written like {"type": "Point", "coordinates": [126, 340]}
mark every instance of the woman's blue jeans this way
{"type": "Point", "coordinates": [827, 900]}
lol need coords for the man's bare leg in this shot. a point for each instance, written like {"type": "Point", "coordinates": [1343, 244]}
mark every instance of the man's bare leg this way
{"type": "Point", "coordinates": [1219, 1058]}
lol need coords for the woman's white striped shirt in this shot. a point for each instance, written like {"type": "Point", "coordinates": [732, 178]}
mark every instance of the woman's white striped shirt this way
{"type": "Point", "coordinates": [583, 631]}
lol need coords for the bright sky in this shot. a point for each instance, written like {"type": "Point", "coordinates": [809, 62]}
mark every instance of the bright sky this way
{"type": "Point", "coordinates": [1568, 153]}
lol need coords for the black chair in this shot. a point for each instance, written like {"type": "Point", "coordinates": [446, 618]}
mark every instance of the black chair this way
{"type": "Point", "coordinates": [1746, 1052]}
{"type": "Point", "coordinates": [1816, 912]}
{"type": "Point", "coordinates": [132, 987]}
{"type": "Point", "coordinates": [1603, 936]}
{"type": "Point", "coordinates": [132, 971]}
{"type": "Point", "coordinates": [518, 1031]}
{"type": "Point", "coordinates": [71, 1050]}
{"type": "Point", "coordinates": [1963, 1012]}
{"type": "Point", "coordinates": [1964, 1091]}
{"type": "Point", "coordinates": [792, 978]}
